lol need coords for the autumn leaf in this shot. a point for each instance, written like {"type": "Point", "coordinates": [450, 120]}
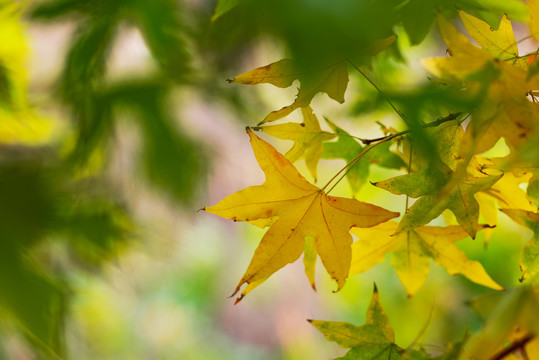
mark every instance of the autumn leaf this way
{"type": "Point", "coordinates": [331, 80]}
{"type": "Point", "coordinates": [307, 136]}
{"type": "Point", "coordinates": [302, 209]}
{"type": "Point", "coordinates": [440, 186]}
{"type": "Point", "coordinates": [412, 251]}
{"type": "Point", "coordinates": [529, 257]}
{"type": "Point", "coordinates": [281, 74]}
{"type": "Point", "coordinates": [373, 340]}
{"type": "Point", "coordinates": [347, 148]}
{"type": "Point", "coordinates": [457, 196]}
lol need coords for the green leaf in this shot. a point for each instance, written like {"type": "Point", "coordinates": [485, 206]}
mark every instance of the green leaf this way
{"type": "Point", "coordinates": [457, 197]}
{"type": "Point", "coordinates": [373, 340]}
{"type": "Point", "coordinates": [347, 148]}
{"type": "Point", "coordinates": [418, 17]}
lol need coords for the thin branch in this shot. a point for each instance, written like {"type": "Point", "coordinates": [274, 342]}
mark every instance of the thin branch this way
{"type": "Point", "coordinates": [515, 345]}
{"type": "Point", "coordinates": [437, 122]}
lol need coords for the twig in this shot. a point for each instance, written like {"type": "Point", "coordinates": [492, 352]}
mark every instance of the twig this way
{"type": "Point", "coordinates": [437, 122]}
{"type": "Point", "coordinates": [516, 345]}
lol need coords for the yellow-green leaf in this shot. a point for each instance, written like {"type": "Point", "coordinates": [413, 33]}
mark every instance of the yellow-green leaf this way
{"type": "Point", "coordinates": [373, 340]}
{"type": "Point", "coordinates": [281, 74]}
{"type": "Point", "coordinates": [333, 81]}
{"type": "Point", "coordinates": [500, 43]}
{"type": "Point", "coordinates": [412, 251]}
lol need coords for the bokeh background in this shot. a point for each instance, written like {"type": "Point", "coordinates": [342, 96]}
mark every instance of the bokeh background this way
{"type": "Point", "coordinates": [117, 125]}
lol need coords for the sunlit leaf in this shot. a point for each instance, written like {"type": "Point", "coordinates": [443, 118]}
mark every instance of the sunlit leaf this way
{"type": "Point", "coordinates": [373, 340]}
{"type": "Point", "coordinates": [303, 210]}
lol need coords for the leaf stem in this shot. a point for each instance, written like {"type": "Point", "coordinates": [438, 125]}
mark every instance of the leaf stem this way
{"type": "Point", "coordinates": [379, 90]}
{"type": "Point", "coordinates": [379, 141]}
{"type": "Point", "coordinates": [353, 162]}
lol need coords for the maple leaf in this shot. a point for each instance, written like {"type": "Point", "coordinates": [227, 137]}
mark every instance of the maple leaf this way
{"type": "Point", "coordinates": [412, 251]}
{"type": "Point", "coordinates": [347, 148]}
{"type": "Point", "coordinates": [331, 80]}
{"type": "Point", "coordinates": [529, 257]}
{"type": "Point", "coordinates": [457, 195]}
{"type": "Point", "coordinates": [501, 43]}
{"type": "Point", "coordinates": [301, 209]}
{"type": "Point", "coordinates": [373, 340]}
{"type": "Point", "coordinates": [440, 186]}
{"type": "Point", "coordinates": [307, 136]}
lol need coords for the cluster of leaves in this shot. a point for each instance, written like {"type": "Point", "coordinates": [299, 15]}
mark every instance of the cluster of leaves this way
{"type": "Point", "coordinates": [485, 93]}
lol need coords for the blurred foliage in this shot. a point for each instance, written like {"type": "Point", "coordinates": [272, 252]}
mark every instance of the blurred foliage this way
{"type": "Point", "coordinates": [85, 86]}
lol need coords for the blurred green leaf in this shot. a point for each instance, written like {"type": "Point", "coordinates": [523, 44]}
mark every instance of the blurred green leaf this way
{"type": "Point", "coordinates": [224, 6]}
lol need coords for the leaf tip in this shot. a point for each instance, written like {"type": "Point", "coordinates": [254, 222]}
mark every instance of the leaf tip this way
{"type": "Point", "coordinates": [310, 321]}
{"type": "Point", "coordinates": [239, 299]}
{"type": "Point", "coordinates": [230, 80]}
{"type": "Point", "coordinates": [201, 209]}
{"type": "Point", "coordinates": [375, 288]}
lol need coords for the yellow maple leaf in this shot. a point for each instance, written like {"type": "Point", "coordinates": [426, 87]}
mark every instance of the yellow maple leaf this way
{"type": "Point", "coordinates": [302, 210]}
{"type": "Point", "coordinates": [412, 251]}
{"type": "Point", "coordinates": [280, 73]}
{"type": "Point", "coordinates": [332, 79]}
{"type": "Point", "coordinates": [307, 136]}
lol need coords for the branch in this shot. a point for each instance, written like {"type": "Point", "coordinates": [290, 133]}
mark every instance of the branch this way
{"type": "Point", "coordinates": [518, 344]}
